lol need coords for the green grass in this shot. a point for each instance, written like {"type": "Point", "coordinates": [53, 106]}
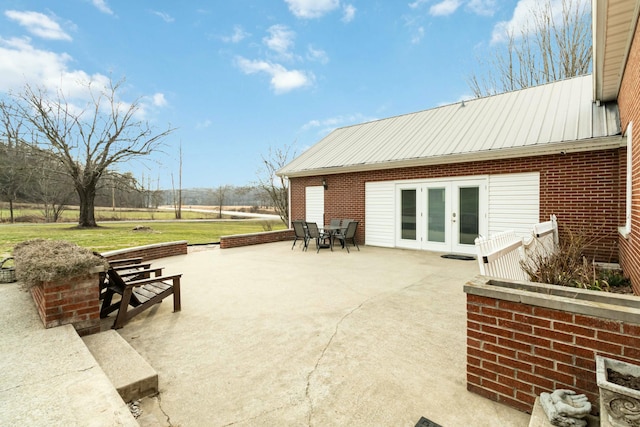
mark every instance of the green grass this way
{"type": "Point", "coordinates": [114, 235]}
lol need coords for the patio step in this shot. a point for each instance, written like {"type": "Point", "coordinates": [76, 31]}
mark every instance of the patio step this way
{"type": "Point", "coordinates": [129, 373]}
{"type": "Point", "coordinates": [540, 419]}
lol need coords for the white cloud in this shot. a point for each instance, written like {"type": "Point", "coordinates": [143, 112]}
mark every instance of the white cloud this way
{"type": "Point", "coordinates": [482, 7]}
{"type": "Point", "coordinates": [282, 80]}
{"type": "Point", "coordinates": [102, 6]}
{"type": "Point", "coordinates": [165, 16]}
{"type": "Point", "coordinates": [280, 40]}
{"type": "Point", "coordinates": [204, 124]}
{"type": "Point", "coordinates": [416, 4]}
{"type": "Point", "coordinates": [444, 8]}
{"type": "Point", "coordinates": [317, 55]}
{"type": "Point", "coordinates": [159, 100]}
{"type": "Point", "coordinates": [448, 7]}
{"type": "Point", "coordinates": [309, 9]}
{"type": "Point", "coordinates": [349, 13]}
{"type": "Point", "coordinates": [418, 35]}
{"type": "Point", "coordinates": [21, 64]}
{"type": "Point", "coordinates": [238, 35]}
{"type": "Point", "coordinates": [38, 24]}
{"type": "Point", "coordinates": [327, 125]}
{"type": "Point", "coordinates": [521, 19]}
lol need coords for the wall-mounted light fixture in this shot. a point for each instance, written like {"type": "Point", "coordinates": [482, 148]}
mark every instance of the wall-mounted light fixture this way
{"type": "Point", "coordinates": [324, 183]}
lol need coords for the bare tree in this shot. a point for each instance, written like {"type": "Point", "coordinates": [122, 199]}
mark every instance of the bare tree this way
{"type": "Point", "coordinates": [552, 46]}
{"type": "Point", "coordinates": [16, 157]}
{"type": "Point", "coordinates": [219, 195]}
{"type": "Point", "coordinates": [177, 197]}
{"type": "Point", "coordinates": [51, 188]}
{"type": "Point", "coordinates": [276, 187]}
{"type": "Point", "coordinates": [87, 141]}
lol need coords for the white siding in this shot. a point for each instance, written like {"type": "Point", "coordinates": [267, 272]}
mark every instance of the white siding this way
{"type": "Point", "coordinates": [514, 203]}
{"type": "Point", "coordinates": [379, 208]}
{"type": "Point", "coordinates": [315, 205]}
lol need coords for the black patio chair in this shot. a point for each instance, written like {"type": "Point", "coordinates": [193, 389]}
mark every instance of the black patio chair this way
{"type": "Point", "coordinates": [335, 222]}
{"type": "Point", "coordinates": [349, 233]}
{"type": "Point", "coordinates": [314, 233]}
{"type": "Point", "coordinates": [300, 230]}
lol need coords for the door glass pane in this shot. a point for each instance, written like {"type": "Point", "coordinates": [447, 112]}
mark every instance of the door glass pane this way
{"type": "Point", "coordinates": [435, 215]}
{"type": "Point", "coordinates": [469, 212]}
{"type": "Point", "coordinates": [408, 207]}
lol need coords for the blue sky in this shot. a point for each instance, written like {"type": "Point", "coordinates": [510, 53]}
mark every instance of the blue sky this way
{"type": "Point", "coordinates": [237, 77]}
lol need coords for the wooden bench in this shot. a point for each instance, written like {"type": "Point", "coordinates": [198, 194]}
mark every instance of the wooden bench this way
{"type": "Point", "coordinates": [140, 287]}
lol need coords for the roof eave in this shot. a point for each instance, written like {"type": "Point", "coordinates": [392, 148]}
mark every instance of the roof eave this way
{"type": "Point", "coordinates": [591, 144]}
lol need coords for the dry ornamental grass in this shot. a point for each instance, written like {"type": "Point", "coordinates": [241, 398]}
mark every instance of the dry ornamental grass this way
{"type": "Point", "coordinates": [41, 260]}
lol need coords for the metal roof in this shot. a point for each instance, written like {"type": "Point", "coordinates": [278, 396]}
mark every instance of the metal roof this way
{"type": "Point", "coordinates": [614, 23]}
{"type": "Point", "coordinates": [552, 118]}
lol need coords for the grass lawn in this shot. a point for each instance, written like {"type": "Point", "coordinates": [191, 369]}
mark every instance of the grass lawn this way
{"type": "Point", "coordinates": [115, 235]}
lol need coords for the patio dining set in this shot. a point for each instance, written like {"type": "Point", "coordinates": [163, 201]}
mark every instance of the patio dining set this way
{"type": "Point", "coordinates": [344, 230]}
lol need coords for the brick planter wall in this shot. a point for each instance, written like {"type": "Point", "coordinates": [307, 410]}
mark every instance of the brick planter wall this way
{"type": "Point", "coordinates": [527, 338]}
{"type": "Point", "coordinates": [74, 301]}
{"type": "Point", "coordinates": [238, 240]}
{"type": "Point", "coordinates": [149, 252]}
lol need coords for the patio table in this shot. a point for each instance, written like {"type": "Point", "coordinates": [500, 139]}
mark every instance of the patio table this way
{"type": "Point", "coordinates": [331, 231]}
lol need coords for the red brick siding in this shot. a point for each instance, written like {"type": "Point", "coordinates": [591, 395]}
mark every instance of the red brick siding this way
{"type": "Point", "coordinates": [629, 104]}
{"type": "Point", "coordinates": [238, 240]}
{"type": "Point", "coordinates": [74, 301]}
{"type": "Point", "coordinates": [583, 189]}
{"type": "Point", "coordinates": [517, 351]}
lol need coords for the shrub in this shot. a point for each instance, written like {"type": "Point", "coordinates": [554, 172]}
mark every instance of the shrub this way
{"type": "Point", "coordinates": [568, 266]}
{"type": "Point", "coordinates": [41, 260]}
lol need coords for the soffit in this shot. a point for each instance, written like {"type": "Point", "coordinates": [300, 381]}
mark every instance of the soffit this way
{"type": "Point", "coordinates": [614, 23]}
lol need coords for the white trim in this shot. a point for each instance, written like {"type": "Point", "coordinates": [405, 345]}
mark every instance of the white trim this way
{"type": "Point", "coordinates": [626, 229]}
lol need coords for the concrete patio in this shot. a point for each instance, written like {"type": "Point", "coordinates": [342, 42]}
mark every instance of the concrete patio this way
{"type": "Point", "coordinates": [273, 336]}
{"type": "Point", "coordinates": [279, 337]}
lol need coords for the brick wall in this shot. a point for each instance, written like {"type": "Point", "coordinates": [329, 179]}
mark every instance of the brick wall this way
{"type": "Point", "coordinates": [629, 104]}
{"type": "Point", "coordinates": [238, 240]}
{"type": "Point", "coordinates": [516, 350]}
{"type": "Point", "coordinates": [149, 252]}
{"type": "Point", "coordinates": [74, 301]}
{"type": "Point", "coordinates": [585, 190]}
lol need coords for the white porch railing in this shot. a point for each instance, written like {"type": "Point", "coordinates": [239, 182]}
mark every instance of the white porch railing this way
{"type": "Point", "coordinates": [502, 254]}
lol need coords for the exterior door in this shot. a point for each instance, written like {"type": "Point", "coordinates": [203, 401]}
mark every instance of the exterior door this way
{"type": "Point", "coordinates": [443, 216]}
{"type": "Point", "coordinates": [314, 197]}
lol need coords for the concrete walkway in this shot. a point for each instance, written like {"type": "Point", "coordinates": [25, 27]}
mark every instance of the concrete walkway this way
{"type": "Point", "coordinates": [271, 336]}
{"type": "Point", "coordinates": [48, 377]}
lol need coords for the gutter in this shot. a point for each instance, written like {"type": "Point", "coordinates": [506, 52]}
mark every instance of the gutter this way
{"type": "Point", "coordinates": [592, 144]}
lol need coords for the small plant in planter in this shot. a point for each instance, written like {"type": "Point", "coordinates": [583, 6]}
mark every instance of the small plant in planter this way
{"type": "Point", "coordinates": [568, 266]}
{"type": "Point", "coordinates": [41, 260]}
{"type": "Point", "coordinates": [63, 279]}
{"type": "Point", "coordinates": [618, 382]}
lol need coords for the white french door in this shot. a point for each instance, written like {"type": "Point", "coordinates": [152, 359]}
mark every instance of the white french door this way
{"type": "Point", "coordinates": [443, 216]}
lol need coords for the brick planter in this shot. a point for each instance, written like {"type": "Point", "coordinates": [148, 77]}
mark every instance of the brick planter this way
{"type": "Point", "coordinates": [526, 338]}
{"type": "Point", "coordinates": [72, 301]}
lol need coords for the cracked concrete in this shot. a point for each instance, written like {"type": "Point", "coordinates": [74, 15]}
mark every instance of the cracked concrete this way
{"type": "Point", "coordinates": [273, 336]}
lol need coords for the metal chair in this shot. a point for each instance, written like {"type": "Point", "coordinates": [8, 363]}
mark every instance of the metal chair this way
{"type": "Point", "coordinates": [349, 233]}
{"type": "Point", "coordinates": [300, 231]}
{"type": "Point", "coordinates": [314, 233]}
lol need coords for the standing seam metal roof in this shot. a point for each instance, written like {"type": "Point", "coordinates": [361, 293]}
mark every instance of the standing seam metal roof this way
{"type": "Point", "coordinates": [553, 113]}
